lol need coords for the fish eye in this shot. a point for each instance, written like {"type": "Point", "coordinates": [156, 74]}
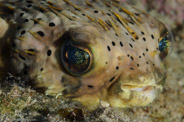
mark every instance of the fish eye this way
{"type": "Point", "coordinates": [165, 44]}
{"type": "Point", "coordinates": [76, 59]}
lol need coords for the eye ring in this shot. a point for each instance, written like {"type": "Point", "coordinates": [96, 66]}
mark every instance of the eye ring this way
{"type": "Point", "coordinates": [76, 59]}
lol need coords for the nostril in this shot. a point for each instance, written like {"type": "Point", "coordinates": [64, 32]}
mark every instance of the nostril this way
{"type": "Point", "coordinates": [117, 67]}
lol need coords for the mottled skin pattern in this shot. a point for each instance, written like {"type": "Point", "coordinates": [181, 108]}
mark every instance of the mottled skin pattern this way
{"type": "Point", "coordinates": [126, 68]}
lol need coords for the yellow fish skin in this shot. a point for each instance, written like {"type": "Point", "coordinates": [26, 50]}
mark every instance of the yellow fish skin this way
{"type": "Point", "coordinates": [90, 51]}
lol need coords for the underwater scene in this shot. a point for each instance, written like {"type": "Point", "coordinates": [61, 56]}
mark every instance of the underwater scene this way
{"type": "Point", "coordinates": [91, 60]}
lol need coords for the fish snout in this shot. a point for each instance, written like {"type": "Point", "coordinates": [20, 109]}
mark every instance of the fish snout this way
{"type": "Point", "coordinates": [139, 90]}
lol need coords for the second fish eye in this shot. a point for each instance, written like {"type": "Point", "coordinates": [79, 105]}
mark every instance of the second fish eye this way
{"type": "Point", "coordinates": [165, 43]}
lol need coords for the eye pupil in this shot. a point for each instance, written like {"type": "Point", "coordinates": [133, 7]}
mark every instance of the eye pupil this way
{"type": "Point", "coordinates": [75, 60]}
{"type": "Point", "coordinates": [76, 55]}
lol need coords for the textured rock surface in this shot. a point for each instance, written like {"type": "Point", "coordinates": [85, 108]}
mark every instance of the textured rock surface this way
{"type": "Point", "coordinates": [18, 102]}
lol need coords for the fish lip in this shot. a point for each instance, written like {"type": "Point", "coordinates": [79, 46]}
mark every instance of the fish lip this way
{"type": "Point", "coordinates": [136, 88]}
{"type": "Point", "coordinates": [142, 88]}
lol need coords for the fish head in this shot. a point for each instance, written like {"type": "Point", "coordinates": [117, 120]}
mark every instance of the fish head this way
{"type": "Point", "coordinates": [120, 70]}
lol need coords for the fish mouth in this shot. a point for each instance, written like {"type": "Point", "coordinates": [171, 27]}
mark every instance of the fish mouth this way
{"type": "Point", "coordinates": [134, 88]}
{"type": "Point", "coordinates": [149, 86]}
{"type": "Point", "coordinates": [137, 91]}
{"type": "Point", "coordinates": [135, 94]}
{"type": "Point", "coordinates": [146, 89]}
{"type": "Point", "coordinates": [142, 89]}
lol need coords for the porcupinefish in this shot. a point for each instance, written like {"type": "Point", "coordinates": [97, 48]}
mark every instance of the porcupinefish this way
{"type": "Point", "coordinates": [85, 50]}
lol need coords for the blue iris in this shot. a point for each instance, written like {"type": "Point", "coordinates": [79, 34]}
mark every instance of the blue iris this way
{"type": "Point", "coordinates": [163, 44]}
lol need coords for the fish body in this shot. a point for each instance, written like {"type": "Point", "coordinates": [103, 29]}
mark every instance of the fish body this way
{"type": "Point", "coordinates": [88, 50]}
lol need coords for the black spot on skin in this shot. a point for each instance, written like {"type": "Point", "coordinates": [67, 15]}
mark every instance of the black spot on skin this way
{"type": "Point", "coordinates": [29, 5]}
{"type": "Point", "coordinates": [131, 45]}
{"type": "Point", "coordinates": [147, 63]}
{"type": "Point", "coordinates": [136, 14]}
{"type": "Point", "coordinates": [128, 55]}
{"type": "Point", "coordinates": [28, 1]}
{"type": "Point", "coordinates": [138, 65]}
{"type": "Point", "coordinates": [41, 10]}
{"type": "Point", "coordinates": [147, 49]}
{"type": "Point", "coordinates": [144, 38]}
{"type": "Point", "coordinates": [41, 69]}
{"type": "Point", "coordinates": [136, 37]}
{"type": "Point", "coordinates": [126, 33]}
{"type": "Point", "coordinates": [153, 64]}
{"type": "Point", "coordinates": [23, 58]}
{"type": "Point", "coordinates": [108, 14]}
{"type": "Point", "coordinates": [120, 10]}
{"type": "Point", "coordinates": [49, 52]}
{"type": "Point", "coordinates": [133, 40]}
{"type": "Point", "coordinates": [109, 49]}
{"type": "Point", "coordinates": [121, 44]}
{"type": "Point", "coordinates": [83, 15]}
{"type": "Point", "coordinates": [106, 62]}
{"type": "Point", "coordinates": [90, 86]}
{"type": "Point", "coordinates": [132, 58]}
{"type": "Point", "coordinates": [132, 23]}
{"type": "Point", "coordinates": [133, 33]}
{"type": "Point", "coordinates": [35, 22]}
{"type": "Point", "coordinates": [21, 14]}
{"type": "Point", "coordinates": [18, 27]}
{"type": "Point", "coordinates": [41, 33]}
{"type": "Point", "coordinates": [117, 67]}
{"type": "Point", "coordinates": [142, 33]}
{"type": "Point", "coordinates": [111, 79]}
{"type": "Point", "coordinates": [113, 43]}
{"type": "Point", "coordinates": [26, 20]}
{"type": "Point", "coordinates": [23, 32]}
{"type": "Point", "coordinates": [152, 36]}
{"type": "Point", "coordinates": [143, 54]}
{"type": "Point", "coordinates": [131, 68]}
{"type": "Point", "coordinates": [96, 11]}
{"type": "Point", "coordinates": [51, 24]}
{"type": "Point", "coordinates": [139, 56]}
